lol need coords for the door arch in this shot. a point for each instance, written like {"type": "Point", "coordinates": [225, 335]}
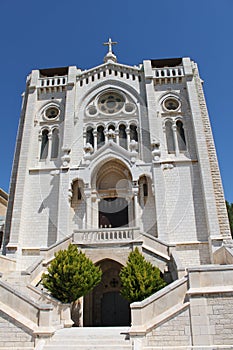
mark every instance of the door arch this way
{"type": "Point", "coordinates": [113, 184]}
{"type": "Point", "coordinates": [105, 306]}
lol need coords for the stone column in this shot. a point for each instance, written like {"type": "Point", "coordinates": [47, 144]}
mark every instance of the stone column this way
{"type": "Point", "coordinates": [50, 140]}
{"type": "Point", "coordinates": [174, 131]}
{"type": "Point", "coordinates": [95, 140]}
{"type": "Point", "coordinates": [128, 138]}
{"type": "Point", "coordinates": [117, 137]}
{"type": "Point", "coordinates": [137, 211]}
{"type": "Point", "coordinates": [87, 195]}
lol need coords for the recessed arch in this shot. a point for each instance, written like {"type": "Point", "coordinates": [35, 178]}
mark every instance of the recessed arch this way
{"type": "Point", "coordinates": [109, 84]}
{"type": "Point", "coordinates": [104, 306]}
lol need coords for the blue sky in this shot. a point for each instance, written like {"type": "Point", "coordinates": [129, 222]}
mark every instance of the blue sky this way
{"type": "Point", "coordinates": [49, 33]}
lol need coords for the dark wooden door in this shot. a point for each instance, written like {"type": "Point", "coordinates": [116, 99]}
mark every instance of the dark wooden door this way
{"type": "Point", "coordinates": [115, 310]}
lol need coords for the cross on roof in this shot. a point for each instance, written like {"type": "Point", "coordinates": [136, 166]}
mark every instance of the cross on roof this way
{"type": "Point", "coordinates": [109, 44]}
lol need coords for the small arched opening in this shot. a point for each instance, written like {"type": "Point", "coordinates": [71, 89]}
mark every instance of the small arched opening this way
{"type": "Point", "coordinates": [105, 306]}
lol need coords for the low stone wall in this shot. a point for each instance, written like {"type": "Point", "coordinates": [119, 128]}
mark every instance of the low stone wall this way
{"type": "Point", "coordinates": [13, 335]}
{"type": "Point", "coordinates": [223, 256]}
{"type": "Point", "coordinates": [173, 332]}
{"type": "Point", "coordinates": [7, 264]}
{"type": "Point", "coordinates": [147, 313]}
{"type": "Point", "coordinates": [203, 320]}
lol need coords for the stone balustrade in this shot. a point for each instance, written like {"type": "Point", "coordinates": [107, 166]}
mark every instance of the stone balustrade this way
{"type": "Point", "coordinates": [52, 82]}
{"type": "Point", "coordinates": [169, 72]}
{"type": "Point", "coordinates": [105, 235]}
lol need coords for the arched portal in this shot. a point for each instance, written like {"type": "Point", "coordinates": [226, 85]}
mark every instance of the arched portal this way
{"type": "Point", "coordinates": [113, 184]}
{"type": "Point", "coordinates": [105, 306]}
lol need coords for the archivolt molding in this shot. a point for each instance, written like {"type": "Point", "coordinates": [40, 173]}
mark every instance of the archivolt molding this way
{"type": "Point", "coordinates": [102, 160]}
{"type": "Point", "coordinates": [39, 117]}
{"type": "Point", "coordinates": [104, 86]}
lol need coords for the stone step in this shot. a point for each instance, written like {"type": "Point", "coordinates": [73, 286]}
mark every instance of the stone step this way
{"type": "Point", "coordinates": [90, 338]}
{"type": "Point", "coordinates": [109, 346]}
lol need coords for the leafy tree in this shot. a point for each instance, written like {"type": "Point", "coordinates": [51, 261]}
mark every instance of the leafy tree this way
{"type": "Point", "coordinates": [230, 215]}
{"type": "Point", "coordinates": [139, 278]}
{"type": "Point", "coordinates": [71, 275]}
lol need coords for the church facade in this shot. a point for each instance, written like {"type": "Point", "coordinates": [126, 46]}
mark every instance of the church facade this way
{"type": "Point", "coordinates": [115, 157]}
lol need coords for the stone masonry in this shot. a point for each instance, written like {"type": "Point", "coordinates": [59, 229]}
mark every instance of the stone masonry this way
{"type": "Point", "coordinates": [112, 158]}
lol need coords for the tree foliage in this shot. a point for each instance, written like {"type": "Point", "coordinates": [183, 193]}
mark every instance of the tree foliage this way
{"type": "Point", "coordinates": [230, 215]}
{"type": "Point", "coordinates": [139, 278]}
{"type": "Point", "coordinates": [71, 275]}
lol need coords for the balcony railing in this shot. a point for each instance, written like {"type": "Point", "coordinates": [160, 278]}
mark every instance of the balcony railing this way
{"type": "Point", "coordinates": [52, 82]}
{"type": "Point", "coordinates": [105, 235]}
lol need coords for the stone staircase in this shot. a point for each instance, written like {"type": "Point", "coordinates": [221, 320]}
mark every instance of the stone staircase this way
{"type": "Point", "coordinates": [90, 338]}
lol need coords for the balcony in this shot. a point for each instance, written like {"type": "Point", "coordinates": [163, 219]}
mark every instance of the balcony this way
{"type": "Point", "coordinates": [106, 235]}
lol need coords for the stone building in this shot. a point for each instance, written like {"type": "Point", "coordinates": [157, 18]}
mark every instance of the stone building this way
{"type": "Point", "coordinates": [3, 208]}
{"type": "Point", "coordinates": [111, 158]}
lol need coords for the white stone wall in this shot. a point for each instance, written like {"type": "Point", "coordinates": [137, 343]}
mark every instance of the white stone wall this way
{"type": "Point", "coordinates": [174, 332]}
{"type": "Point", "coordinates": [184, 203]}
{"type": "Point", "coordinates": [177, 210]}
{"type": "Point", "coordinates": [193, 254]}
{"type": "Point", "coordinates": [220, 314]}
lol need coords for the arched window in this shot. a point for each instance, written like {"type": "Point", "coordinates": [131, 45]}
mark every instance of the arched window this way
{"type": "Point", "coordinates": [55, 144]}
{"type": "Point", "coordinates": [133, 133]}
{"type": "Point", "coordinates": [90, 136]}
{"type": "Point", "coordinates": [180, 136]}
{"type": "Point", "coordinates": [143, 190]}
{"type": "Point", "coordinates": [169, 137]}
{"type": "Point", "coordinates": [122, 136]}
{"type": "Point", "coordinates": [100, 136]}
{"type": "Point", "coordinates": [111, 132]}
{"type": "Point", "coordinates": [44, 144]}
{"type": "Point", "coordinates": [79, 194]}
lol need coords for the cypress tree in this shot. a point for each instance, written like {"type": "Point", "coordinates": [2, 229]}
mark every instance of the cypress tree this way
{"type": "Point", "coordinates": [71, 275]}
{"type": "Point", "coordinates": [139, 278]}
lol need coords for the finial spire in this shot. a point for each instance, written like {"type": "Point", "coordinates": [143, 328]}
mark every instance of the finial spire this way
{"type": "Point", "coordinates": [110, 56]}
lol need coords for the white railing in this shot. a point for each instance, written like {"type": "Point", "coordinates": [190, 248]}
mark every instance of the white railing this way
{"type": "Point", "coordinates": [52, 82]}
{"type": "Point", "coordinates": [105, 235]}
{"type": "Point", "coordinates": [162, 73]}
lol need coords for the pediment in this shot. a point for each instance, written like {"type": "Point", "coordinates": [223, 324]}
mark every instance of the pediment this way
{"type": "Point", "coordinates": [111, 148]}
{"type": "Point", "coordinates": [105, 67]}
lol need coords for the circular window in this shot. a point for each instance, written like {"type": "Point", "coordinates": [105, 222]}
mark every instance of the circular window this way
{"type": "Point", "coordinates": [129, 107]}
{"type": "Point", "coordinates": [111, 103]}
{"type": "Point", "coordinates": [92, 110]}
{"type": "Point", "coordinates": [52, 112]}
{"type": "Point", "coordinates": [171, 104]}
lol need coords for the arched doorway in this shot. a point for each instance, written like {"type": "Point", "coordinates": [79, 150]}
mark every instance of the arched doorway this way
{"type": "Point", "coordinates": [105, 306]}
{"type": "Point", "coordinates": [113, 184]}
{"type": "Point", "coordinates": [113, 212]}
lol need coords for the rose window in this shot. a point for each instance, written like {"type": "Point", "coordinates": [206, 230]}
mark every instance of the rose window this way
{"type": "Point", "coordinates": [111, 103]}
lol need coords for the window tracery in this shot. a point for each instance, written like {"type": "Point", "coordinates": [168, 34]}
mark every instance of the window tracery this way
{"type": "Point", "coordinates": [175, 136]}
{"type": "Point", "coordinates": [109, 103]}
{"type": "Point", "coordinates": [123, 134]}
{"type": "Point", "coordinates": [49, 143]}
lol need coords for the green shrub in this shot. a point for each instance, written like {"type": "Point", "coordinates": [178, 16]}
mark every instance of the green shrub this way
{"type": "Point", "coordinates": [71, 275]}
{"type": "Point", "coordinates": [139, 278]}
